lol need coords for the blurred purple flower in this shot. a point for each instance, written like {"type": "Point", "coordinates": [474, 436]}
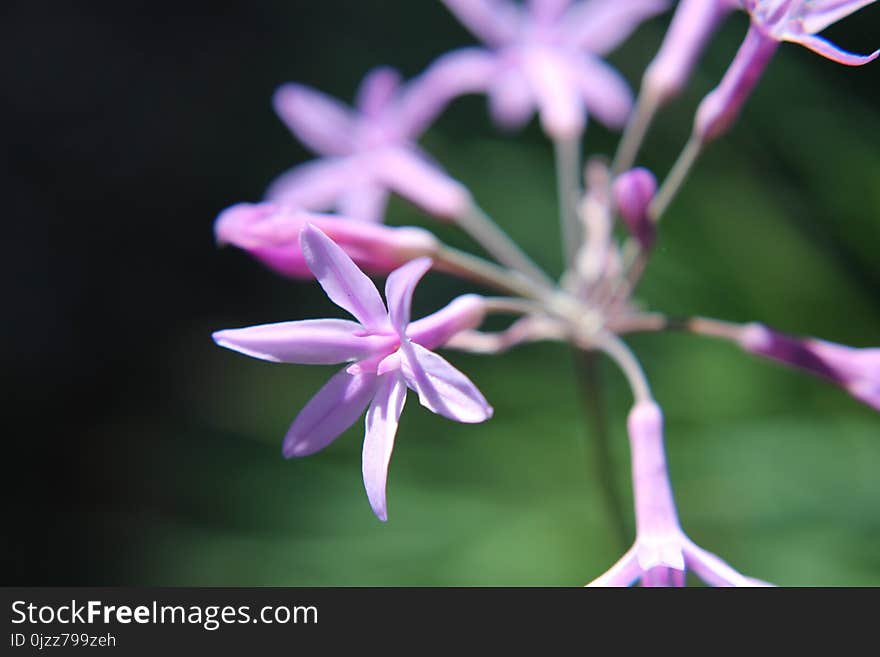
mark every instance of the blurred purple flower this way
{"type": "Point", "coordinates": [370, 151]}
{"type": "Point", "coordinates": [662, 552]}
{"type": "Point", "coordinates": [388, 352]}
{"type": "Point", "coordinates": [773, 21]}
{"type": "Point", "coordinates": [547, 57]}
{"type": "Point", "coordinates": [270, 233]}
{"type": "Point", "coordinates": [855, 370]}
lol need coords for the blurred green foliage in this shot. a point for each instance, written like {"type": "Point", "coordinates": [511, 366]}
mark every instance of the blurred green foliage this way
{"type": "Point", "coordinates": [774, 471]}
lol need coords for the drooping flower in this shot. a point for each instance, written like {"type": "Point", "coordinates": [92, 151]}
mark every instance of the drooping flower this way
{"type": "Point", "coordinates": [633, 192]}
{"type": "Point", "coordinates": [547, 56]}
{"type": "Point", "coordinates": [772, 22]}
{"type": "Point", "coordinates": [387, 352]}
{"type": "Point", "coordinates": [693, 24]}
{"type": "Point", "coordinates": [369, 151]}
{"type": "Point", "coordinates": [662, 553]}
{"type": "Point", "coordinates": [270, 232]}
{"type": "Point", "coordinates": [855, 370]}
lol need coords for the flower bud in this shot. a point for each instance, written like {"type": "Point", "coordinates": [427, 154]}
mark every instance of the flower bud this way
{"type": "Point", "coordinates": [270, 233]}
{"type": "Point", "coordinates": [633, 192]}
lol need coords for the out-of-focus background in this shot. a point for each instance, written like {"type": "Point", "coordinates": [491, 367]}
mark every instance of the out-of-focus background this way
{"type": "Point", "coordinates": [140, 453]}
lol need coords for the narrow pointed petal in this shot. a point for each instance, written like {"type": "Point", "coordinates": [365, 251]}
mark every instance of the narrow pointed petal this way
{"type": "Point", "coordinates": [442, 389]}
{"type": "Point", "coordinates": [605, 92]}
{"type": "Point", "coordinates": [364, 203]}
{"type": "Point", "coordinates": [823, 13]}
{"type": "Point", "coordinates": [410, 174]}
{"type": "Point", "coordinates": [495, 22]}
{"type": "Point", "coordinates": [308, 342]}
{"type": "Point", "coordinates": [333, 409]}
{"type": "Point", "coordinates": [556, 89]}
{"type": "Point", "coordinates": [399, 291]}
{"type": "Point", "coordinates": [382, 420]}
{"type": "Point", "coordinates": [713, 570]}
{"type": "Point", "coordinates": [547, 12]}
{"type": "Point", "coordinates": [346, 285]}
{"type": "Point", "coordinates": [462, 71]}
{"type": "Point", "coordinates": [830, 51]}
{"type": "Point", "coordinates": [599, 26]}
{"type": "Point", "coordinates": [377, 91]}
{"type": "Point", "coordinates": [624, 573]}
{"type": "Point", "coordinates": [320, 122]}
{"type": "Point", "coordinates": [511, 102]}
{"type": "Point", "coordinates": [314, 185]}
{"type": "Point", "coordinates": [461, 314]}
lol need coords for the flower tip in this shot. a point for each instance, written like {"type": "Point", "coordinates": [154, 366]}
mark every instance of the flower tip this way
{"type": "Point", "coordinates": [634, 191]}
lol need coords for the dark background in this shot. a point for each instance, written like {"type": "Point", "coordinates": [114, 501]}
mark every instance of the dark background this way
{"type": "Point", "coordinates": [139, 453]}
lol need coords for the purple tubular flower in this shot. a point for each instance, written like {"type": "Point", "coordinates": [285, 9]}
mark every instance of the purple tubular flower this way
{"type": "Point", "coordinates": [662, 552]}
{"type": "Point", "coordinates": [546, 57]}
{"type": "Point", "coordinates": [270, 232]}
{"type": "Point", "coordinates": [694, 22]}
{"type": "Point", "coordinates": [773, 21]}
{"type": "Point", "coordinates": [855, 370]}
{"type": "Point", "coordinates": [633, 192]}
{"type": "Point", "coordinates": [369, 151]}
{"type": "Point", "coordinates": [388, 354]}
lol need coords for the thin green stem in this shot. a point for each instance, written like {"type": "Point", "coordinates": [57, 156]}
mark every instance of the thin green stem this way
{"type": "Point", "coordinates": [675, 179]}
{"type": "Point", "coordinates": [488, 234]}
{"type": "Point", "coordinates": [479, 270]}
{"type": "Point", "coordinates": [634, 133]}
{"type": "Point", "coordinates": [568, 175]}
{"type": "Point", "coordinates": [589, 377]}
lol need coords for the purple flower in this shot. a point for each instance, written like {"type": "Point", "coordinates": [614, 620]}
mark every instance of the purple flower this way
{"type": "Point", "coordinates": [270, 232]}
{"type": "Point", "coordinates": [547, 57]}
{"type": "Point", "coordinates": [694, 22]}
{"type": "Point", "coordinates": [369, 151]}
{"type": "Point", "coordinates": [633, 192]}
{"type": "Point", "coordinates": [773, 21]}
{"type": "Point", "coordinates": [662, 552]}
{"type": "Point", "coordinates": [855, 370]}
{"type": "Point", "coordinates": [388, 354]}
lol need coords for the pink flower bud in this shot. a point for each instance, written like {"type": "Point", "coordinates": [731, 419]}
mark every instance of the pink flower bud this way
{"type": "Point", "coordinates": [855, 370]}
{"type": "Point", "coordinates": [633, 192]}
{"type": "Point", "coordinates": [694, 22]}
{"type": "Point", "coordinates": [270, 232]}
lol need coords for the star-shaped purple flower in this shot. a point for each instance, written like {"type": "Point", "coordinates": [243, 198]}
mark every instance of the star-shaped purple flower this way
{"type": "Point", "coordinates": [547, 57]}
{"type": "Point", "coordinates": [369, 151]}
{"type": "Point", "coordinates": [388, 354]}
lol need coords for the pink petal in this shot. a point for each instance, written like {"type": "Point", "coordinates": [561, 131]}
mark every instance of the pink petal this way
{"type": "Point", "coordinates": [363, 202]}
{"type": "Point", "coordinates": [556, 90]}
{"type": "Point", "coordinates": [377, 91]}
{"type": "Point", "coordinates": [399, 291]}
{"type": "Point", "coordinates": [346, 285]}
{"type": "Point", "coordinates": [624, 573]}
{"type": "Point", "coordinates": [461, 314]}
{"type": "Point", "coordinates": [410, 174]}
{"type": "Point", "coordinates": [382, 420]}
{"type": "Point", "coordinates": [598, 26]}
{"type": "Point", "coordinates": [547, 12]}
{"type": "Point", "coordinates": [463, 71]}
{"type": "Point", "coordinates": [308, 342]}
{"type": "Point", "coordinates": [823, 13]}
{"type": "Point", "coordinates": [713, 570]}
{"type": "Point", "coordinates": [332, 410]}
{"type": "Point", "coordinates": [315, 185]}
{"type": "Point", "coordinates": [442, 388]}
{"type": "Point", "coordinates": [830, 51]}
{"type": "Point", "coordinates": [495, 22]}
{"type": "Point", "coordinates": [511, 102]}
{"type": "Point", "coordinates": [606, 94]}
{"type": "Point", "coordinates": [320, 122]}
